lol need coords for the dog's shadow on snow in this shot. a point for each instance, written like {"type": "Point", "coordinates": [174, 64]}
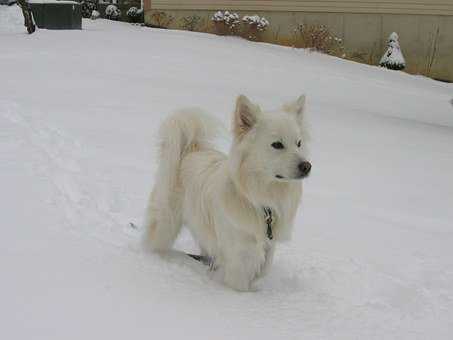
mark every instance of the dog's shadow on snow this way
{"type": "Point", "coordinates": [280, 279]}
{"type": "Point", "coordinates": [202, 273]}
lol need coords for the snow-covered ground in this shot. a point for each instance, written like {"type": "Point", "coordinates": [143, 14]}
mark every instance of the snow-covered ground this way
{"type": "Point", "coordinates": [372, 252]}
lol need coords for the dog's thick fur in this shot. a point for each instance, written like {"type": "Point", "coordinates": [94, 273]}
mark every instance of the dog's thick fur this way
{"type": "Point", "coordinates": [221, 198]}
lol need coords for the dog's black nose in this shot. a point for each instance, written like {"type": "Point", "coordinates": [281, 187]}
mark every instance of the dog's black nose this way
{"type": "Point", "coordinates": [304, 168]}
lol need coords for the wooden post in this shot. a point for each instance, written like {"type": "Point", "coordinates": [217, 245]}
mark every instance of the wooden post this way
{"type": "Point", "coordinates": [146, 5]}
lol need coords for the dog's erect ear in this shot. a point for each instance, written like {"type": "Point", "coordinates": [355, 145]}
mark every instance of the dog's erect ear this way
{"type": "Point", "coordinates": [245, 116]}
{"type": "Point", "coordinates": [296, 108]}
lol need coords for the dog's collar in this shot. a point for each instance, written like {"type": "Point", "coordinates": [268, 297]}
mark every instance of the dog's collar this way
{"type": "Point", "coordinates": [268, 219]}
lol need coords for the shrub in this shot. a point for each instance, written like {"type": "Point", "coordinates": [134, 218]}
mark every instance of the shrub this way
{"type": "Point", "coordinates": [393, 58]}
{"type": "Point", "coordinates": [134, 14]}
{"type": "Point", "coordinates": [87, 7]}
{"type": "Point", "coordinates": [254, 25]}
{"type": "Point", "coordinates": [95, 15]}
{"type": "Point", "coordinates": [191, 22]}
{"type": "Point", "coordinates": [161, 19]}
{"type": "Point", "coordinates": [112, 12]}
{"type": "Point", "coordinates": [319, 38]}
{"type": "Point", "coordinates": [226, 22]}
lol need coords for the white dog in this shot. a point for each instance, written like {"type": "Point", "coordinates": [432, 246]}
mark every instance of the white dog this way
{"type": "Point", "coordinates": [238, 205]}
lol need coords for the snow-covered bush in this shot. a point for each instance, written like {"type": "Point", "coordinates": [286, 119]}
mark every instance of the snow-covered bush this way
{"type": "Point", "coordinates": [254, 25]}
{"type": "Point", "coordinates": [393, 58]}
{"type": "Point", "coordinates": [260, 23]}
{"type": "Point", "coordinates": [134, 14]}
{"type": "Point", "coordinates": [226, 22]}
{"type": "Point", "coordinates": [319, 38]}
{"type": "Point", "coordinates": [87, 7]}
{"type": "Point", "coordinates": [112, 12]}
{"type": "Point", "coordinates": [95, 15]}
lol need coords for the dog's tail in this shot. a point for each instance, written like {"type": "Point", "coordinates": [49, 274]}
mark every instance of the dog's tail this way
{"type": "Point", "coordinates": [183, 132]}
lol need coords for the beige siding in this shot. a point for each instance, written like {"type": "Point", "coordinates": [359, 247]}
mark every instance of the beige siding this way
{"type": "Point", "coordinates": [425, 27]}
{"type": "Point", "coordinates": [421, 7]}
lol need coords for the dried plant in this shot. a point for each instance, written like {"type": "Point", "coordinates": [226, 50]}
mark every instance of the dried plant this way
{"type": "Point", "coordinates": [191, 22]}
{"type": "Point", "coordinates": [162, 19]}
{"type": "Point", "coordinates": [318, 38]}
{"type": "Point", "coordinates": [433, 54]}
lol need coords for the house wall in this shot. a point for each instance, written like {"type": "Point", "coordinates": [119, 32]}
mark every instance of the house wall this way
{"type": "Point", "coordinates": [425, 27]}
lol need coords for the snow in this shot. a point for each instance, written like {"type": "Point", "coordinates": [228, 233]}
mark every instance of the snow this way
{"type": "Point", "coordinates": [371, 256]}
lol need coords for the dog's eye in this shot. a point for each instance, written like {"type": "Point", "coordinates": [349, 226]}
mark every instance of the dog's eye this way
{"type": "Point", "coordinates": [277, 145]}
{"type": "Point", "coordinates": [299, 143]}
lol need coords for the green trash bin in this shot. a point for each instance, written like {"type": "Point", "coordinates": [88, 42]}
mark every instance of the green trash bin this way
{"type": "Point", "coordinates": [57, 15]}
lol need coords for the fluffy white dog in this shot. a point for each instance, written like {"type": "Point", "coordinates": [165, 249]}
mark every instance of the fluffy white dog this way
{"type": "Point", "coordinates": [238, 205]}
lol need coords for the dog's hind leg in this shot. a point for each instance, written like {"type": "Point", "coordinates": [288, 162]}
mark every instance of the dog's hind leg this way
{"type": "Point", "coordinates": [180, 134]}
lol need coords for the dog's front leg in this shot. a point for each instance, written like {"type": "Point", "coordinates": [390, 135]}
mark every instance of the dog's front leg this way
{"type": "Point", "coordinates": [243, 264]}
{"type": "Point", "coordinates": [269, 249]}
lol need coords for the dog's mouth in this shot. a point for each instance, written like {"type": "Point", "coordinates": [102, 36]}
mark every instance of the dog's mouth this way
{"type": "Point", "coordinates": [286, 179]}
{"type": "Point", "coordinates": [300, 177]}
